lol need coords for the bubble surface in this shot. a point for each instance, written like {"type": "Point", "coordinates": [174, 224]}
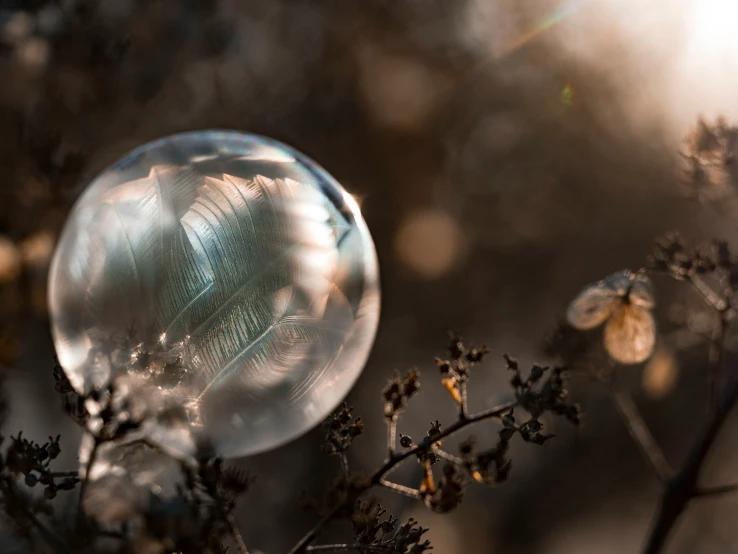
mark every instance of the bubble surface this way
{"type": "Point", "coordinates": [231, 274]}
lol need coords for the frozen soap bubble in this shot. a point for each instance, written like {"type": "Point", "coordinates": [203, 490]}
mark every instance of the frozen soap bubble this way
{"type": "Point", "coordinates": [224, 273]}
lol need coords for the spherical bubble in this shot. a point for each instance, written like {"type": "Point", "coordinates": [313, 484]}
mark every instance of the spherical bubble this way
{"type": "Point", "coordinates": [232, 275]}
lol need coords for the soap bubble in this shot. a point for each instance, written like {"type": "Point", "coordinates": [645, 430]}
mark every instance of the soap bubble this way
{"type": "Point", "coordinates": [231, 275]}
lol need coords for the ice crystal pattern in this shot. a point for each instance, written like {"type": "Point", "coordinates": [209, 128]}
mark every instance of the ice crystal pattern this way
{"type": "Point", "coordinates": [232, 275]}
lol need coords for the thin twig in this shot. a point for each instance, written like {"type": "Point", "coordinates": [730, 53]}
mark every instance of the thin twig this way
{"type": "Point", "coordinates": [708, 294]}
{"type": "Point", "coordinates": [428, 442]}
{"type": "Point", "coordinates": [391, 436]}
{"type": "Point", "coordinates": [48, 536]}
{"type": "Point", "coordinates": [448, 457]}
{"type": "Point", "coordinates": [378, 477]}
{"type": "Point", "coordinates": [640, 432]}
{"type": "Point", "coordinates": [683, 487]}
{"type": "Point", "coordinates": [464, 404]}
{"type": "Point", "coordinates": [349, 548]}
{"type": "Point", "coordinates": [344, 462]}
{"type": "Point", "coordinates": [303, 544]}
{"type": "Point", "coordinates": [62, 474]}
{"type": "Point", "coordinates": [86, 480]}
{"type": "Point", "coordinates": [240, 544]}
{"type": "Point", "coordinates": [717, 353]}
{"type": "Point", "coordinates": [716, 491]}
{"type": "Point", "coordinates": [401, 489]}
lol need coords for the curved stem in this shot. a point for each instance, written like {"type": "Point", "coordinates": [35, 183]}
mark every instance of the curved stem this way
{"type": "Point", "coordinates": [349, 548]}
{"type": "Point", "coordinates": [719, 490]}
{"type": "Point", "coordinates": [86, 480]}
{"type": "Point", "coordinates": [378, 477]}
{"type": "Point", "coordinates": [428, 442]}
{"type": "Point", "coordinates": [640, 432]}
{"type": "Point", "coordinates": [48, 536]}
{"type": "Point", "coordinates": [683, 487]}
{"type": "Point", "coordinates": [400, 489]}
{"type": "Point", "coordinates": [240, 544]}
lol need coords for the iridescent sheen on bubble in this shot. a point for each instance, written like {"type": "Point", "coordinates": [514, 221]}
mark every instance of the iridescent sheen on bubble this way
{"type": "Point", "coordinates": [233, 276]}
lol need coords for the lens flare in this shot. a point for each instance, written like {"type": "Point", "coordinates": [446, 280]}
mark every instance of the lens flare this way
{"type": "Point", "coordinates": [712, 25]}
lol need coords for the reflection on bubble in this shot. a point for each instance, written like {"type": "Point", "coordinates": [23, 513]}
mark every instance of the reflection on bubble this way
{"type": "Point", "coordinates": [231, 275]}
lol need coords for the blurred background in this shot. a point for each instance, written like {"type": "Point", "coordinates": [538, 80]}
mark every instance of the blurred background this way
{"type": "Point", "coordinates": [504, 153]}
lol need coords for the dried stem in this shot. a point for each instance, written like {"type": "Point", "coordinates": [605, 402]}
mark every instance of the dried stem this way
{"type": "Point", "coordinates": [303, 544]}
{"type": "Point", "coordinates": [391, 435]}
{"type": "Point", "coordinates": [448, 457]}
{"type": "Point", "coordinates": [401, 489]}
{"type": "Point", "coordinates": [428, 442]}
{"type": "Point", "coordinates": [349, 548]}
{"type": "Point", "coordinates": [378, 477]}
{"type": "Point", "coordinates": [344, 463]}
{"type": "Point", "coordinates": [708, 294]}
{"type": "Point", "coordinates": [464, 404]}
{"type": "Point", "coordinates": [63, 474]}
{"type": "Point", "coordinates": [683, 487]}
{"type": "Point", "coordinates": [640, 432]}
{"type": "Point", "coordinates": [717, 352]}
{"type": "Point", "coordinates": [48, 536]}
{"type": "Point", "coordinates": [86, 480]}
{"type": "Point", "coordinates": [240, 544]}
{"type": "Point", "coordinates": [716, 491]}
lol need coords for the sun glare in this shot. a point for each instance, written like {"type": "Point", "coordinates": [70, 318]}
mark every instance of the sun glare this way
{"type": "Point", "coordinates": [713, 26]}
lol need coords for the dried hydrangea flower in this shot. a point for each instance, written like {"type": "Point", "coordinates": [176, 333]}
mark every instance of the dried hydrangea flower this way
{"type": "Point", "coordinates": [623, 302]}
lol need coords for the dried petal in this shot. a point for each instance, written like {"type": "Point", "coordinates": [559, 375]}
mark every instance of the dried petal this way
{"type": "Point", "coordinates": [630, 335]}
{"type": "Point", "coordinates": [593, 306]}
{"type": "Point", "coordinates": [641, 291]}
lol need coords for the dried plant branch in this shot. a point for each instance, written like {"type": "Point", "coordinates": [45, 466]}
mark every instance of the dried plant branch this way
{"type": "Point", "coordinates": [47, 535]}
{"type": "Point", "coordinates": [401, 489]}
{"type": "Point", "coordinates": [304, 543]}
{"type": "Point", "coordinates": [240, 544]}
{"type": "Point", "coordinates": [426, 444]}
{"type": "Point", "coordinates": [391, 436]}
{"type": "Point", "coordinates": [716, 490]}
{"type": "Point", "coordinates": [88, 467]}
{"type": "Point", "coordinates": [378, 477]}
{"type": "Point", "coordinates": [640, 432]}
{"type": "Point", "coordinates": [708, 294]}
{"type": "Point", "coordinates": [349, 548]}
{"type": "Point", "coordinates": [717, 353]}
{"type": "Point", "coordinates": [447, 456]}
{"type": "Point", "coordinates": [682, 488]}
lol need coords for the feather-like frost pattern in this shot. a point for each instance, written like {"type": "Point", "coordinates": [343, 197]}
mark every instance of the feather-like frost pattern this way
{"type": "Point", "coordinates": [234, 277]}
{"type": "Point", "coordinates": [247, 278]}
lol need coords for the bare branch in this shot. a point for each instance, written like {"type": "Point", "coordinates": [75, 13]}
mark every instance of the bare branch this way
{"type": "Point", "coordinates": [378, 477]}
{"type": "Point", "coordinates": [448, 457]}
{"type": "Point", "coordinates": [303, 544]}
{"type": "Point", "coordinates": [240, 544]}
{"type": "Point", "coordinates": [638, 429]}
{"type": "Point", "coordinates": [401, 489]}
{"type": "Point", "coordinates": [427, 443]}
{"type": "Point", "coordinates": [708, 294]}
{"type": "Point", "coordinates": [683, 487]}
{"type": "Point", "coordinates": [391, 436]}
{"type": "Point", "coordinates": [716, 491]}
{"type": "Point", "coordinates": [85, 481]}
{"type": "Point", "coordinates": [349, 548]}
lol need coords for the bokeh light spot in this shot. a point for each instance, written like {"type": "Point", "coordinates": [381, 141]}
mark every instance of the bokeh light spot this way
{"type": "Point", "coordinates": [430, 243]}
{"type": "Point", "coordinates": [660, 375]}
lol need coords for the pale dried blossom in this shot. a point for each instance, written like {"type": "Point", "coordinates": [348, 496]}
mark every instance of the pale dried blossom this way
{"type": "Point", "coordinates": [623, 302]}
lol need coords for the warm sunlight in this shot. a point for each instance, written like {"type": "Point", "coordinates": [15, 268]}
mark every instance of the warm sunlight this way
{"type": "Point", "coordinates": [713, 26]}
